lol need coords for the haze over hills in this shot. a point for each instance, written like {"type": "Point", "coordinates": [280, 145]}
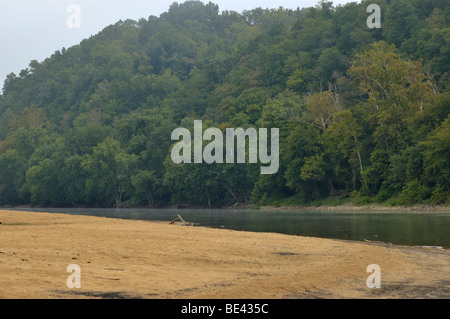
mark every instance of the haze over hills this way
{"type": "Point", "coordinates": [33, 30]}
{"type": "Point", "coordinates": [363, 113]}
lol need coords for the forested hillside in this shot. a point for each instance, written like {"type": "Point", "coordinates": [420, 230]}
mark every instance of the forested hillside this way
{"type": "Point", "coordinates": [363, 113]}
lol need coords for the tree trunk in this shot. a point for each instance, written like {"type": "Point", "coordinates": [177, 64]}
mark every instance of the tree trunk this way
{"type": "Point", "coordinates": [209, 198]}
{"type": "Point", "coordinates": [353, 176]}
{"type": "Point", "coordinates": [151, 201]}
{"type": "Point", "coordinates": [333, 191]}
{"type": "Point", "coordinates": [118, 198]}
{"type": "Point", "coordinates": [231, 192]}
{"type": "Point", "coordinates": [360, 164]}
{"type": "Point", "coordinates": [316, 190]}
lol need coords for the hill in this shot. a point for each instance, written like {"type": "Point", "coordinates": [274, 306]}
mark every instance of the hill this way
{"type": "Point", "coordinates": [363, 113]}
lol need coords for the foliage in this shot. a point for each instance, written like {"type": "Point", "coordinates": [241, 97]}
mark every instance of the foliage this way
{"type": "Point", "coordinates": [363, 113]}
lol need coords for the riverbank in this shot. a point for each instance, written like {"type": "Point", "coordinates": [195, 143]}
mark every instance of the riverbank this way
{"type": "Point", "coordinates": [372, 207]}
{"type": "Point", "coordinates": [320, 207]}
{"type": "Point", "coordinates": [152, 260]}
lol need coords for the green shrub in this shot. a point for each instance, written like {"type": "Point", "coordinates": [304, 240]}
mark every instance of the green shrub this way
{"type": "Point", "coordinates": [414, 193]}
{"type": "Point", "coordinates": [263, 201]}
{"type": "Point", "coordinates": [383, 195]}
{"type": "Point", "coordinates": [440, 195]}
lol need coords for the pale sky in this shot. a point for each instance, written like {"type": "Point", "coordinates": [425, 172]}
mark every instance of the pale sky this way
{"type": "Point", "coordinates": [35, 29]}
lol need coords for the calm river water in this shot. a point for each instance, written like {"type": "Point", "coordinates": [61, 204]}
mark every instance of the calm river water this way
{"type": "Point", "coordinates": [403, 228]}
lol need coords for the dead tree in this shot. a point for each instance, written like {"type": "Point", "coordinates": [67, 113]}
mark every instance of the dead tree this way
{"type": "Point", "coordinates": [183, 222]}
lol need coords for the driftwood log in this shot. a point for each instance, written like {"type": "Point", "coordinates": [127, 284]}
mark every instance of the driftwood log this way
{"type": "Point", "coordinates": [179, 218]}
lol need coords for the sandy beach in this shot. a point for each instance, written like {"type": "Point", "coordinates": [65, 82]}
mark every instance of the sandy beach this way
{"type": "Point", "coordinates": [155, 260]}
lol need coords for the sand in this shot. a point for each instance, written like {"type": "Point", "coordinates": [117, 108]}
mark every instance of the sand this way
{"type": "Point", "coordinates": [155, 260]}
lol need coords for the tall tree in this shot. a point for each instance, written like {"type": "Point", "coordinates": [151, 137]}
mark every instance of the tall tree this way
{"type": "Point", "coordinates": [109, 171]}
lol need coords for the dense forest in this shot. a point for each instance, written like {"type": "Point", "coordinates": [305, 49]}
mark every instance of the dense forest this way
{"type": "Point", "coordinates": [364, 114]}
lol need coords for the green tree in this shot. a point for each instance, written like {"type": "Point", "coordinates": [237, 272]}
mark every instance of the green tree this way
{"type": "Point", "coordinates": [395, 88]}
{"type": "Point", "coordinates": [12, 177]}
{"type": "Point", "coordinates": [344, 134]}
{"type": "Point", "coordinates": [146, 184]}
{"type": "Point", "coordinates": [314, 170]}
{"type": "Point", "coordinates": [437, 154]}
{"type": "Point", "coordinates": [109, 171]}
{"type": "Point", "coordinates": [44, 184]}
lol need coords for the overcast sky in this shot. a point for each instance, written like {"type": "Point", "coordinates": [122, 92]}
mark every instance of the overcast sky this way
{"type": "Point", "coordinates": [35, 29]}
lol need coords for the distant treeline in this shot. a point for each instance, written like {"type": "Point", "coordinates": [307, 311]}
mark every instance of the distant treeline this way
{"type": "Point", "coordinates": [363, 113]}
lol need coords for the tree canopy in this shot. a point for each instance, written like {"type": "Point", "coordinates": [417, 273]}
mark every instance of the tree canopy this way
{"type": "Point", "coordinates": [363, 113]}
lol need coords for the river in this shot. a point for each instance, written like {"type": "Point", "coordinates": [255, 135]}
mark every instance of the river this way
{"type": "Point", "coordinates": [402, 228]}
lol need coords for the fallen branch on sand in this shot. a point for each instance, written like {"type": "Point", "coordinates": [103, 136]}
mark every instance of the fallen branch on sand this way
{"type": "Point", "coordinates": [179, 218]}
{"type": "Point", "coordinates": [377, 242]}
{"type": "Point", "coordinates": [432, 247]}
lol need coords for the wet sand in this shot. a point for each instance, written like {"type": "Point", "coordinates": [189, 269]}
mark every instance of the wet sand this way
{"type": "Point", "coordinates": [154, 260]}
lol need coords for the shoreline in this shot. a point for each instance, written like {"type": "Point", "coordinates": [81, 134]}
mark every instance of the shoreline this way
{"type": "Point", "coordinates": [349, 207]}
{"type": "Point", "coordinates": [131, 259]}
{"type": "Point", "coordinates": [418, 208]}
{"type": "Point", "coordinates": [178, 222]}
